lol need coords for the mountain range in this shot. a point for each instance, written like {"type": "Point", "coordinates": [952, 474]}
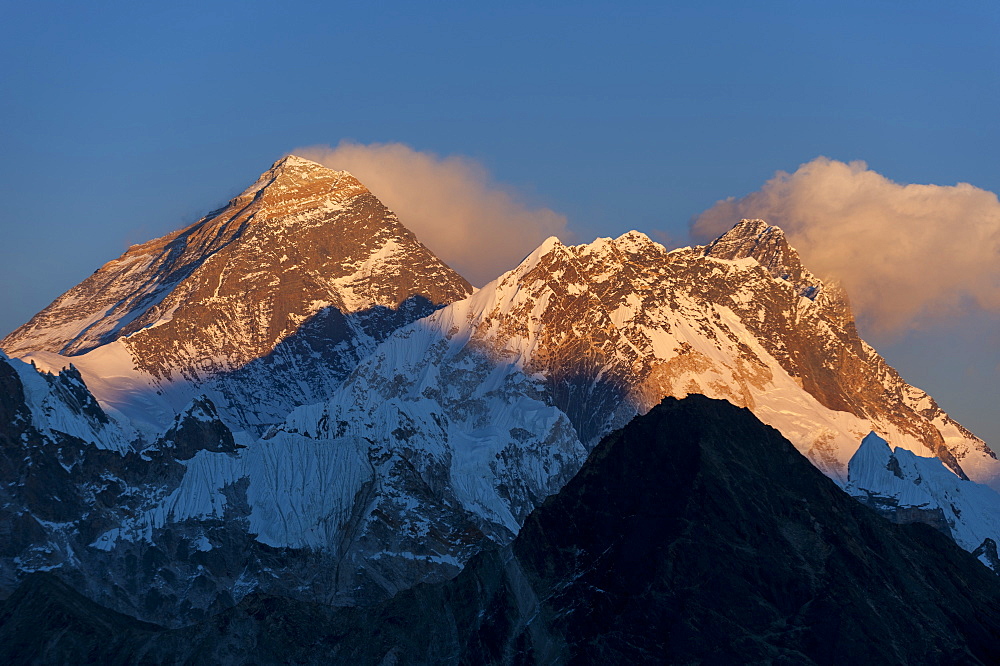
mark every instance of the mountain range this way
{"type": "Point", "coordinates": [294, 402]}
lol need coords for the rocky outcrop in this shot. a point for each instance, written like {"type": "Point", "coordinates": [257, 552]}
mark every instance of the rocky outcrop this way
{"type": "Point", "coordinates": [65, 482]}
{"type": "Point", "coordinates": [197, 428]}
{"type": "Point", "coordinates": [987, 554]}
{"type": "Point", "coordinates": [824, 351]}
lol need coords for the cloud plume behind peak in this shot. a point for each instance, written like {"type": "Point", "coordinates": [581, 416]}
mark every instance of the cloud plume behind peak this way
{"type": "Point", "coordinates": [477, 226]}
{"type": "Point", "coordinates": [908, 255]}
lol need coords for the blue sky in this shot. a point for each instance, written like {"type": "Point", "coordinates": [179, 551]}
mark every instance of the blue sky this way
{"type": "Point", "coordinates": [123, 121]}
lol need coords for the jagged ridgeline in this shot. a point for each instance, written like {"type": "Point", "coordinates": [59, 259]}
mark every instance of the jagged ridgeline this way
{"type": "Point", "coordinates": [294, 397]}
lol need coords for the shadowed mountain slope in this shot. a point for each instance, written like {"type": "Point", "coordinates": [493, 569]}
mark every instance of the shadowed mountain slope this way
{"type": "Point", "coordinates": [695, 534]}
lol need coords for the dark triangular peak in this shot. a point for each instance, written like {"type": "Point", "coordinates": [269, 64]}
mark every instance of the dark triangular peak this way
{"type": "Point", "coordinates": [697, 533]}
{"type": "Point", "coordinates": [197, 428]}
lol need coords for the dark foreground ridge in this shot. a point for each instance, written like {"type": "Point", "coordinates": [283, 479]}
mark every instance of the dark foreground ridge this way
{"type": "Point", "coordinates": [695, 534]}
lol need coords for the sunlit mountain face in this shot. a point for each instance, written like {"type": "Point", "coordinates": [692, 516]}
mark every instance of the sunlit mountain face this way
{"type": "Point", "coordinates": [263, 304]}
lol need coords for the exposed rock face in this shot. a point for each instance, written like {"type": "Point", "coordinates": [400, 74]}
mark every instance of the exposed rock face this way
{"type": "Point", "coordinates": [198, 428]}
{"type": "Point", "coordinates": [231, 286]}
{"type": "Point", "coordinates": [278, 293]}
{"type": "Point", "coordinates": [694, 535]}
{"type": "Point", "coordinates": [62, 486]}
{"type": "Point", "coordinates": [987, 554]}
{"type": "Point", "coordinates": [59, 466]}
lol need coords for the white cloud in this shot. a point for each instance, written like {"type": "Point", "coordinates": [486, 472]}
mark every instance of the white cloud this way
{"type": "Point", "coordinates": [907, 254]}
{"type": "Point", "coordinates": [477, 226]}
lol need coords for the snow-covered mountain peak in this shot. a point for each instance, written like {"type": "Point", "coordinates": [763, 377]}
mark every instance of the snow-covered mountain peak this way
{"type": "Point", "coordinates": [293, 168]}
{"type": "Point", "coordinates": [906, 487]}
{"type": "Point", "coordinates": [600, 255]}
{"type": "Point", "coordinates": [769, 246]}
{"type": "Point", "coordinates": [874, 454]}
{"type": "Point", "coordinates": [547, 246]}
{"type": "Point", "coordinates": [614, 249]}
{"type": "Point", "coordinates": [751, 238]}
{"type": "Point", "coordinates": [294, 184]}
{"type": "Point", "coordinates": [292, 160]}
{"type": "Point", "coordinates": [305, 258]}
{"type": "Point", "coordinates": [751, 227]}
{"type": "Point", "coordinates": [636, 240]}
{"type": "Point", "coordinates": [615, 325]}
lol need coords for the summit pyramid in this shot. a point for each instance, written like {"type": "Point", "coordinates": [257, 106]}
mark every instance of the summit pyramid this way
{"type": "Point", "coordinates": [302, 273]}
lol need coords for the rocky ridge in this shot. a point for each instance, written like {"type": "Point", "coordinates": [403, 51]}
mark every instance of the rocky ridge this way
{"type": "Point", "coordinates": [604, 331]}
{"type": "Point", "coordinates": [824, 352]}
